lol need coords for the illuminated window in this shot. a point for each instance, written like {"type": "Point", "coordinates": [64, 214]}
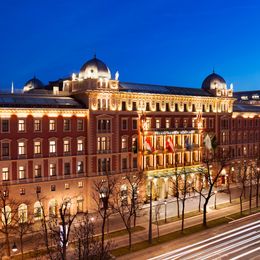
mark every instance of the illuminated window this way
{"type": "Point", "coordinates": [5, 174]}
{"type": "Point", "coordinates": [37, 147]}
{"type": "Point", "coordinates": [158, 123]}
{"type": "Point", "coordinates": [38, 214]}
{"type": "Point", "coordinates": [6, 215]}
{"type": "Point", "coordinates": [80, 204]}
{"type": "Point", "coordinates": [66, 146]}
{"type": "Point", "coordinates": [80, 184]}
{"type": "Point", "coordinates": [21, 125]}
{"type": "Point", "coordinates": [124, 143]}
{"type": "Point", "coordinates": [80, 167]}
{"type": "Point", "coordinates": [37, 171]}
{"type": "Point", "coordinates": [21, 148]}
{"type": "Point", "coordinates": [52, 169]}
{"type": "Point", "coordinates": [22, 213]}
{"type": "Point", "coordinates": [37, 125]}
{"type": "Point", "coordinates": [167, 123]}
{"type": "Point", "coordinates": [21, 172]}
{"type": "Point", "coordinates": [52, 146]}
{"type": "Point", "coordinates": [52, 125]}
{"type": "Point", "coordinates": [80, 145]}
{"type": "Point", "coordinates": [22, 191]}
{"type": "Point", "coordinates": [67, 186]}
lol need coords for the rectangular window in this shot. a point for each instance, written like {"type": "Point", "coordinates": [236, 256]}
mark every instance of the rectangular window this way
{"type": "Point", "coordinates": [80, 184]}
{"type": "Point", "coordinates": [124, 144]}
{"type": "Point", "coordinates": [37, 147]}
{"type": "Point", "coordinates": [67, 168]}
{"type": "Point", "coordinates": [5, 174]}
{"type": "Point", "coordinates": [158, 107]}
{"type": "Point", "coordinates": [37, 171]}
{"type": "Point", "coordinates": [52, 125]}
{"type": "Point", "coordinates": [158, 123]}
{"type": "Point", "coordinates": [124, 163]}
{"type": "Point", "coordinates": [52, 169]}
{"type": "Point", "coordinates": [80, 124]}
{"type": "Point", "coordinates": [134, 124]}
{"type": "Point", "coordinates": [5, 125]}
{"type": "Point", "coordinates": [167, 123]}
{"type": "Point", "coordinates": [67, 186]}
{"type": "Point", "coordinates": [22, 191]}
{"type": "Point", "coordinates": [134, 163]}
{"type": "Point", "coordinates": [37, 125]}
{"type": "Point", "coordinates": [104, 126]}
{"type": "Point", "coordinates": [66, 146]}
{"type": "Point", "coordinates": [53, 187]}
{"type": "Point", "coordinates": [80, 167]}
{"type": "Point", "coordinates": [21, 172]}
{"type": "Point", "coordinates": [104, 165]}
{"type": "Point", "coordinates": [80, 145]}
{"type": "Point", "coordinates": [134, 106]}
{"type": "Point", "coordinates": [21, 148]}
{"type": "Point", "coordinates": [123, 106]}
{"type": "Point", "coordinates": [52, 146]}
{"type": "Point", "coordinates": [5, 150]}
{"type": "Point", "coordinates": [124, 125]}
{"type": "Point", "coordinates": [21, 125]}
{"type": "Point", "coordinates": [66, 124]}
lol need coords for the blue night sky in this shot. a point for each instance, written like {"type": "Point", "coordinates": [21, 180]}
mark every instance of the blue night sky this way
{"type": "Point", "coordinates": [171, 42]}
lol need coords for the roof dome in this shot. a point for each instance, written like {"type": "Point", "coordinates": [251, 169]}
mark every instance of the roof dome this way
{"type": "Point", "coordinates": [95, 68]}
{"type": "Point", "coordinates": [33, 84]}
{"type": "Point", "coordinates": [213, 81]}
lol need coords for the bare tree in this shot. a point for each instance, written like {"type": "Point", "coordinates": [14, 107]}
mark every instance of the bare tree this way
{"type": "Point", "coordinates": [241, 182]}
{"type": "Point", "coordinates": [175, 181]}
{"type": "Point", "coordinates": [60, 228]}
{"type": "Point", "coordinates": [257, 179]}
{"type": "Point", "coordinates": [9, 216]}
{"type": "Point", "coordinates": [104, 190]}
{"type": "Point", "coordinates": [211, 180]}
{"type": "Point", "coordinates": [127, 202]}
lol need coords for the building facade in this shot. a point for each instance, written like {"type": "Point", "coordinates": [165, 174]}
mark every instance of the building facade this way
{"type": "Point", "coordinates": [56, 140]}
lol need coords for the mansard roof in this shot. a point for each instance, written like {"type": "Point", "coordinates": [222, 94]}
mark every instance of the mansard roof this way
{"type": "Point", "coordinates": [241, 107]}
{"type": "Point", "coordinates": [161, 89]}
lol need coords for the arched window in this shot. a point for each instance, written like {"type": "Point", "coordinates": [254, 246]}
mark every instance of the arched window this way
{"type": "Point", "coordinates": [38, 214]}
{"type": "Point", "coordinates": [52, 208]}
{"type": "Point", "coordinates": [6, 215]}
{"type": "Point", "coordinates": [123, 194]}
{"type": "Point", "coordinates": [22, 213]}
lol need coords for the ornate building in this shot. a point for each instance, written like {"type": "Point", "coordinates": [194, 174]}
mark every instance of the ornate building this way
{"type": "Point", "coordinates": [57, 139]}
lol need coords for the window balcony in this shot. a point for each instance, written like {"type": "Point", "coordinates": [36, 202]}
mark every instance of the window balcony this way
{"type": "Point", "coordinates": [104, 151]}
{"type": "Point", "coordinates": [124, 150]}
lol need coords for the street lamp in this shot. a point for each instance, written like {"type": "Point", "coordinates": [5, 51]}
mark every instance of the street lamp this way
{"type": "Point", "coordinates": [165, 211]}
{"type": "Point", "coordinates": [14, 248]}
{"type": "Point", "coordinates": [215, 199]}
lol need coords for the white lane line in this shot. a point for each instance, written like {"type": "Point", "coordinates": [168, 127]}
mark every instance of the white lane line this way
{"type": "Point", "coordinates": [221, 245]}
{"type": "Point", "coordinates": [204, 241]}
{"type": "Point", "coordinates": [232, 247]}
{"type": "Point", "coordinates": [208, 244]}
{"type": "Point", "coordinates": [246, 253]}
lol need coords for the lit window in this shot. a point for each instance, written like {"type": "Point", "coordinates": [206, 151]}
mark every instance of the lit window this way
{"type": "Point", "coordinates": [67, 186]}
{"type": "Point", "coordinates": [21, 125]}
{"type": "Point", "coordinates": [80, 204]}
{"type": "Point", "coordinates": [80, 145]}
{"type": "Point", "coordinates": [66, 146]}
{"type": "Point", "coordinates": [37, 210]}
{"type": "Point", "coordinates": [37, 171]}
{"type": "Point", "coordinates": [167, 123]}
{"type": "Point", "coordinates": [80, 167]}
{"type": "Point", "coordinates": [52, 146]}
{"type": "Point", "coordinates": [52, 125]}
{"type": "Point", "coordinates": [157, 123]}
{"type": "Point", "coordinates": [5, 174]}
{"type": "Point", "coordinates": [80, 184]}
{"type": "Point", "coordinates": [37, 147]}
{"type": "Point", "coordinates": [124, 144]}
{"type": "Point", "coordinates": [22, 212]}
{"type": "Point", "coordinates": [52, 169]}
{"type": "Point", "coordinates": [21, 148]}
{"type": "Point", "coordinates": [6, 215]}
{"type": "Point", "coordinates": [37, 125]}
{"type": "Point", "coordinates": [21, 172]}
{"type": "Point", "coordinates": [22, 191]}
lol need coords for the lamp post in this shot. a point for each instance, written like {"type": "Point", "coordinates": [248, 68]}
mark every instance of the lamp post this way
{"type": "Point", "coordinates": [165, 211]}
{"type": "Point", "coordinates": [150, 214]}
{"type": "Point", "coordinates": [215, 199]}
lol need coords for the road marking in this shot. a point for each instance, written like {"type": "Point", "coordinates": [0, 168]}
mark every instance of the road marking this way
{"type": "Point", "coordinates": [246, 253]}
{"type": "Point", "coordinates": [206, 240]}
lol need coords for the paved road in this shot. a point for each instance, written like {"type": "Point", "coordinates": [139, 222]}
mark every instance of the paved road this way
{"type": "Point", "coordinates": [239, 243]}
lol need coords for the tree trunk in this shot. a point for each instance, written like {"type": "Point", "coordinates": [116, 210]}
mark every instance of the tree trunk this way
{"type": "Point", "coordinates": [182, 215]}
{"type": "Point", "coordinates": [129, 238]}
{"type": "Point", "coordinates": [257, 192]}
{"type": "Point", "coordinates": [178, 207]}
{"type": "Point", "coordinates": [250, 195]}
{"type": "Point", "coordinates": [21, 242]}
{"type": "Point", "coordinates": [205, 213]}
{"type": "Point", "coordinates": [7, 244]}
{"type": "Point", "coordinates": [199, 201]}
{"type": "Point", "coordinates": [103, 233]}
{"type": "Point", "coordinates": [241, 205]}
